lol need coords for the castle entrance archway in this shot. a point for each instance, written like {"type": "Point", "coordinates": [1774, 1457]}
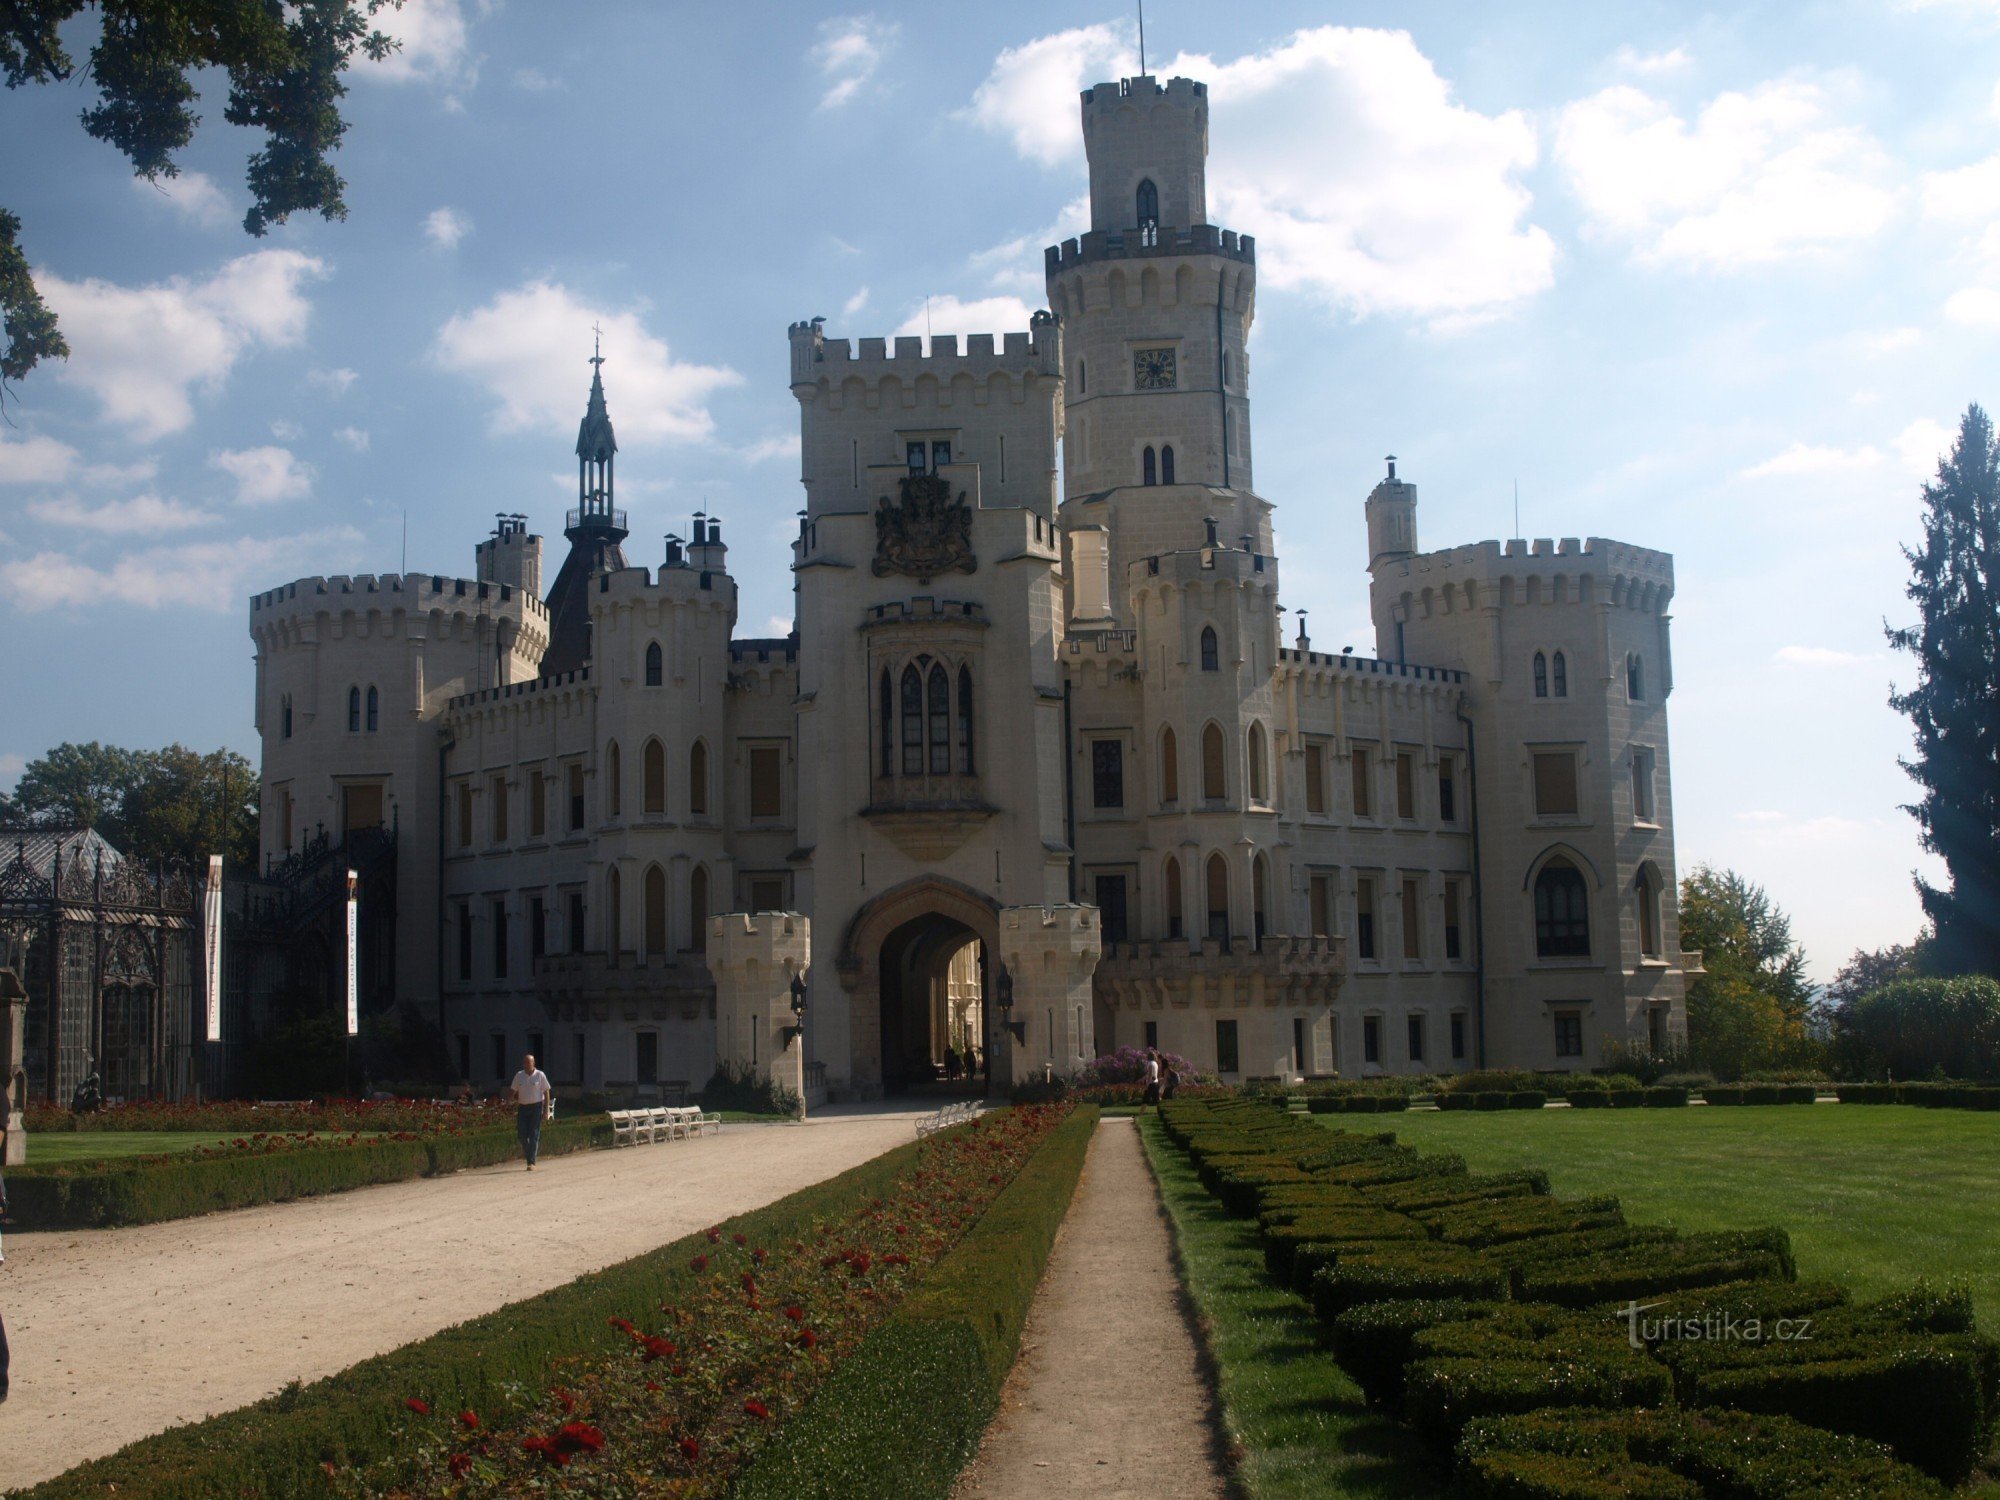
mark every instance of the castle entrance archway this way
{"type": "Point", "coordinates": [915, 962]}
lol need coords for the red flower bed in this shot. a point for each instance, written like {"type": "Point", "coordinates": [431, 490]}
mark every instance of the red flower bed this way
{"type": "Point", "coordinates": [678, 1396]}
{"type": "Point", "coordinates": [384, 1116]}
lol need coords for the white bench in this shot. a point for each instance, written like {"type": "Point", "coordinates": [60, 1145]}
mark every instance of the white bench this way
{"type": "Point", "coordinates": [642, 1127]}
{"type": "Point", "coordinates": [951, 1114]}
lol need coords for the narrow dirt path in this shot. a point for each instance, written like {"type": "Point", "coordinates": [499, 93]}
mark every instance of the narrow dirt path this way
{"type": "Point", "coordinates": [117, 1333]}
{"type": "Point", "coordinates": [1107, 1399]}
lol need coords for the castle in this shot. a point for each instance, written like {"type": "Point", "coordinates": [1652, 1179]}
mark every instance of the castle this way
{"type": "Point", "coordinates": [1035, 774]}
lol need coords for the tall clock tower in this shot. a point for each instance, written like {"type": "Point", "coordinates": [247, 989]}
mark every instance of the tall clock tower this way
{"type": "Point", "coordinates": [1156, 304]}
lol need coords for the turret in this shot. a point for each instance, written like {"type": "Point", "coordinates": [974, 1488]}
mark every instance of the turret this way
{"type": "Point", "coordinates": [594, 530]}
{"type": "Point", "coordinates": [511, 555]}
{"type": "Point", "coordinates": [1148, 152]}
{"type": "Point", "coordinates": [1392, 520]}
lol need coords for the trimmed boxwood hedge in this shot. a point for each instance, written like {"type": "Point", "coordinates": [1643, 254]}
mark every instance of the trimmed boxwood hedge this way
{"type": "Point", "coordinates": [274, 1447]}
{"type": "Point", "coordinates": [1672, 1455]}
{"type": "Point", "coordinates": [1761, 1093]}
{"type": "Point", "coordinates": [1510, 1305]}
{"type": "Point", "coordinates": [121, 1194]}
{"type": "Point", "coordinates": [1356, 1104]}
{"type": "Point", "coordinates": [905, 1412]}
{"type": "Point", "coordinates": [1945, 1095]}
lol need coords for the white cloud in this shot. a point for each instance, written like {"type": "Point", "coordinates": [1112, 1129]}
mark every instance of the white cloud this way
{"type": "Point", "coordinates": [1804, 458]}
{"type": "Point", "coordinates": [436, 45]}
{"type": "Point", "coordinates": [1964, 193]}
{"type": "Point", "coordinates": [287, 431]}
{"type": "Point", "coordinates": [1757, 177]}
{"type": "Point", "coordinates": [1892, 339]}
{"type": "Point", "coordinates": [1365, 181]}
{"type": "Point", "coordinates": [1652, 64]}
{"type": "Point", "coordinates": [264, 476]}
{"type": "Point", "coordinates": [526, 347]}
{"type": "Point", "coordinates": [948, 314]}
{"type": "Point", "coordinates": [1015, 265]}
{"type": "Point", "coordinates": [848, 55]}
{"type": "Point", "coordinates": [1975, 307]}
{"type": "Point", "coordinates": [337, 381]}
{"type": "Point", "coordinates": [144, 351]}
{"type": "Point", "coordinates": [445, 227]}
{"type": "Point", "coordinates": [212, 576]}
{"type": "Point", "coordinates": [142, 515]}
{"type": "Point", "coordinates": [355, 437]}
{"type": "Point", "coordinates": [35, 460]}
{"type": "Point", "coordinates": [193, 195]}
{"type": "Point", "coordinates": [1030, 96]}
{"type": "Point", "coordinates": [1920, 445]}
{"type": "Point", "coordinates": [785, 445]}
{"type": "Point", "coordinates": [535, 81]}
{"type": "Point", "coordinates": [1823, 656]}
{"type": "Point", "coordinates": [852, 307]}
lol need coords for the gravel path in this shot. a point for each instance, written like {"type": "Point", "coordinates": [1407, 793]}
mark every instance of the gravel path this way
{"type": "Point", "coordinates": [122, 1332]}
{"type": "Point", "coordinates": [1107, 1399]}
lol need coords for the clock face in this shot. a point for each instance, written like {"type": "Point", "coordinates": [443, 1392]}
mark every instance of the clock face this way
{"type": "Point", "coordinates": [1153, 369]}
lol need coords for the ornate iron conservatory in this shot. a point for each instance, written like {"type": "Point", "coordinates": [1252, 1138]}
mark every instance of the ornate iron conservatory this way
{"type": "Point", "coordinates": [110, 956]}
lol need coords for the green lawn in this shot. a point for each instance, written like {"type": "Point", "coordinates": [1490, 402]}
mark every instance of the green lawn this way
{"type": "Point", "coordinates": [53, 1148]}
{"type": "Point", "coordinates": [1875, 1196]}
{"type": "Point", "coordinates": [1297, 1425]}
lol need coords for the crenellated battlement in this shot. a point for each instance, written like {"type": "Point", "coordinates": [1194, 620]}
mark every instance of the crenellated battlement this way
{"type": "Point", "coordinates": [1102, 99]}
{"type": "Point", "coordinates": [817, 358]}
{"type": "Point", "coordinates": [709, 586]}
{"type": "Point", "coordinates": [1165, 243]}
{"type": "Point", "coordinates": [925, 610]}
{"type": "Point", "coordinates": [392, 591]}
{"type": "Point", "coordinates": [533, 687]}
{"type": "Point", "coordinates": [1366, 666]}
{"type": "Point", "coordinates": [1545, 571]}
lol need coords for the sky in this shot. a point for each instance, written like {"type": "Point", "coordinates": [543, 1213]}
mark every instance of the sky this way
{"type": "Point", "coordinates": [1719, 282]}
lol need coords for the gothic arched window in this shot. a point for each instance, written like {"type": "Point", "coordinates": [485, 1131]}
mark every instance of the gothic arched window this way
{"type": "Point", "coordinates": [888, 725]}
{"type": "Point", "coordinates": [654, 771]}
{"type": "Point", "coordinates": [1170, 767]}
{"type": "Point", "coordinates": [1562, 675]}
{"type": "Point", "coordinates": [1635, 677]}
{"type": "Point", "coordinates": [965, 758]}
{"type": "Point", "coordinates": [1256, 756]}
{"type": "Point", "coordinates": [1210, 659]}
{"type": "Point", "coordinates": [1148, 473]}
{"type": "Point", "coordinates": [374, 710]}
{"type": "Point", "coordinates": [354, 710]}
{"type": "Point", "coordinates": [615, 793]}
{"type": "Point", "coordinates": [1562, 911]}
{"type": "Point", "coordinates": [913, 721]}
{"type": "Point", "coordinates": [1149, 203]}
{"type": "Point", "coordinates": [1167, 465]}
{"type": "Point", "coordinates": [940, 721]}
{"type": "Point", "coordinates": [698, 910]}
{"type": "Point", "coordinates": [655, 926]}
{"type": "Point", "coordinates": [285, 716]}
{"type": "Point", "coordinates": [613, 920]}
{"type": "Point", "coordinates": [1541, 675]}
{"type": "Point", "coordinates": [698, 779]}
{"type": "Point", "coordinates": [1176, 917]}
{"type": "Point", "coordinates": [652, 664]}
{"type": "Point", "coordinates": [1213, 783]}
{"type": "Point", "coordinates": [1218, 898]}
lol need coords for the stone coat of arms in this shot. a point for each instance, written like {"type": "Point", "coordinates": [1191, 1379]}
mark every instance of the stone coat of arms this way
{"type": "Point", "coordinates": [925, 533]}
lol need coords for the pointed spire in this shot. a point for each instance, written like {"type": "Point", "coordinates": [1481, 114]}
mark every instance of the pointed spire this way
{"type": "Point", "coordinates": [594, 438]}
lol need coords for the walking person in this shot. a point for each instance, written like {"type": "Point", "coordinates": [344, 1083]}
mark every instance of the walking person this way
{"type": "Point", "coordinates": [1151, 1076]}
{"type": "Point", "coordinates": [1173, 1082]}
{"type": "Point", "coordinates": [532, 1098]}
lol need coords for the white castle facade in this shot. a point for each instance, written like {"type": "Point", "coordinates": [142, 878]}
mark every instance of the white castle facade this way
{"type": "Point", "coordinates": [1035, 741]}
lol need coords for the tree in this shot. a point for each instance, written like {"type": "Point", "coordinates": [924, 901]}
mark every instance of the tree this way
{"type": "Point", "coordinates": [174, 803]}
{"type": "Point", "coordinates": [1955, 705]}
{"type": "Point", "coordinates": [284, 64]}
{"type": "Point", "coordinates": [1914, 1028]}
{"type": "Point", "coordinates": [1868, 971]}
{"type": "Point", "coordinates": [1749, 1009]}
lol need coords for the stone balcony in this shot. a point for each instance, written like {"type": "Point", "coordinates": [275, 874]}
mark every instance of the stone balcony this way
{"type": "Point", "coordinates": [1287, 971]}
{"type": "Point", "coordinates": [624, 986]}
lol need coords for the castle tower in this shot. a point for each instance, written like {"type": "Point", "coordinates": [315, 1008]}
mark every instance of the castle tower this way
{"type": "Point", "coordinates": [1391, 509]}
{"type": "Point", "coordinates": [594, 529]}
{"type": "Point", "coordinates": [512, 555]}
{"type": "Point", "coordinates": [1156, 304]}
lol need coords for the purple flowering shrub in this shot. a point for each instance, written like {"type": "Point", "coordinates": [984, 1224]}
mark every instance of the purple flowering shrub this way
{"type": "Point", "coordinates": [1128, 1065]}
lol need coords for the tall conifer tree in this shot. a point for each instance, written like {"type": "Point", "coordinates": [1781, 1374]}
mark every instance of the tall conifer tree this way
{"type": "Point", "coordinates": [1955, 705]}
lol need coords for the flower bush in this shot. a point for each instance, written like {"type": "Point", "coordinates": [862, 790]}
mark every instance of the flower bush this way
{"type": "Point", "coordinates": [1114, 1094]}
{"type": "Point", "coordinates": [245, 1117]}
{"type": "Point", "coordinates": [1128, 1065]}
{"type": "Point", "coordinates": [676, 1397]}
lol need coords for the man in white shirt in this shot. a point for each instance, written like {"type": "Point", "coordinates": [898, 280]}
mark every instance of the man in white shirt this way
{"type": "Point", "coordinates": [532, 1098]}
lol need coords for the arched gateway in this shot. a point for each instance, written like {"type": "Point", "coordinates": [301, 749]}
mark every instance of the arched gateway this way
{"type": "Point", "coordinates": [918, 964]}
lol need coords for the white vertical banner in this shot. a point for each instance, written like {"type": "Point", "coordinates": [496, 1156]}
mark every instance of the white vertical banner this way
{"type": "Point", "coordinates": [211, 945]}
{"type": "Point", "coordinates": [353, 951]}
